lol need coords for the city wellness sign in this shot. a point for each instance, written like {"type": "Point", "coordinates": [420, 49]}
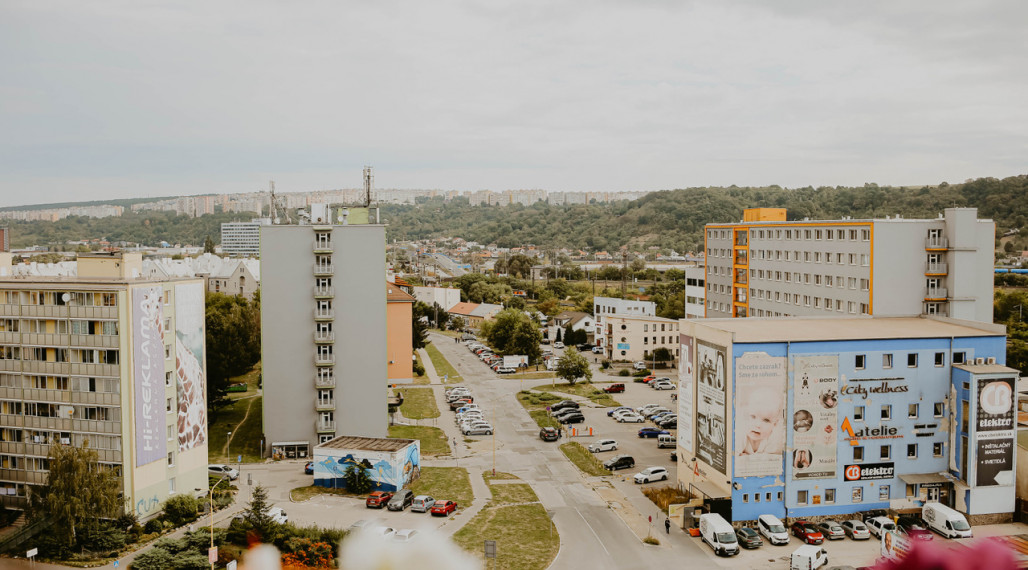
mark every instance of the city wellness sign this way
{"type": "Point", "coordinates": [867, 386]}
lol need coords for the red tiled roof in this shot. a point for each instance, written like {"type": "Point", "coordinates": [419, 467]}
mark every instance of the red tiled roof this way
{"type": "Point", "coordinates": [462, 308]}
{"type": "Point", "coordinates": [396, 295]}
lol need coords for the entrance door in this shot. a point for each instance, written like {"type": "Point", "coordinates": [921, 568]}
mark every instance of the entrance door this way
{"type": "Point", "coordinates": [933, 495]}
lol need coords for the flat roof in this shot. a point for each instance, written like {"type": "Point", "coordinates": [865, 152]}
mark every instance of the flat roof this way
{"type": "Point", "coordinates": [365, 443]}
{"type": "Point", "coordinates": [805, 329]}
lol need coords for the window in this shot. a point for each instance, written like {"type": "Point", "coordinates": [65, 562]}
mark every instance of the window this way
{"type": "Point", "coordinates": [801, 497]}
{"type": "Point", "coordinates": [167, 405]}
{"type": "Point", "coordinates": [745, 497]}
{"type": "Point", "coordinates": [911, 451]}
{"type": "Point", "coordinates": [940, 359]}
{"type": "Point", "coordinates": [959, 357]}
{"type": "Point", "coordinates": [912, 410]}
{"type": "Point", "coordinates": [779, 496]}
{"type": "Point", "coordinates": [858, 494]}
{"type": "Point", "coordinates": [886, 361]}
{"type": "Point", "coordinates": [887, 412]}
{"type": "Point", "coordinates": [939, 410]}
{"type": "Point", "coordinates": [883, 493]}
{"type": "Point", "coordinates": [767, 497]}
{"type": "Point", "coordinates": [167, 378]}
{"type": "Point", "coordinates": [829, 496]}
{"type": "Point", "coordinates": [171, 458]}
{"type": "Point", "coordinates": [912, 360]}
{"type": "Point", "coordinates": [885, 452]}
{"type": "Point", "coordinates": [910, 491]}
{"type": "Point", "coordinates": [937, 449]}
{"type": "Point", "coordinates": [858, 413]}
{"type": "Point", "coordinates": [859, 362]}
{"type": "Point", "coordinates": [756, 497]}
{"type": "Point", "coordinates": [858, 453]}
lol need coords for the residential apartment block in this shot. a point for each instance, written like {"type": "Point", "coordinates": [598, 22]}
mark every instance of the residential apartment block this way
{"type": "Point", "coordinates": [605, 307]}
{"type": "Point", "coordinates": [242, 239]}
{"type": "Point", "coordinates": [323, 314]}
{"type": "Point", "coordinates": [766, 266]}
{"type": "Point", "coordinates": [635, 338]}
{"type": "Point", "coordinates": [104, 358]}
{"type": "Point", "coordinates": [695, 292]}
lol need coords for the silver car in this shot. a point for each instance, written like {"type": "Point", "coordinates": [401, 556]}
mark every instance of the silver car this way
{"type": "Point", "coordinates": [485, 429]}
{"type": "Point", "coordinates": [855, 530]}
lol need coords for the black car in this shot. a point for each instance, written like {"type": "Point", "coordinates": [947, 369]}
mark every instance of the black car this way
{"type": "Point", "coordinates": [573, 418]}
{"type": "Point", "coordinates": [748, 538]}
{"type": "Point", "coordinates": [867, 515]}
{"type": "Point", "coordinates": [563, 404]}
{"type": "Point", "coordinates": [619, 462]}
{"type": "Point", "coordinates": [585, 347]}
{"type": "Point", "coordinates": [549, 434]}
{"type": "Point", "coordinates": [308, 469]}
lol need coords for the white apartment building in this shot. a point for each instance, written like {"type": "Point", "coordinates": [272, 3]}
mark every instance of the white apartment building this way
{"type": "Point", "coordinates": [242, 239]}
{"type": "Point", "coordinates": [767, 266]}
{"type": "Point", "coordinates": [635, 338]}
{"type": "Point", "coordinates": [605, 307]}
{"type": "Point", "coordinates": [445, 297]}
{"type": "Point", "coordinates": [695, 292]}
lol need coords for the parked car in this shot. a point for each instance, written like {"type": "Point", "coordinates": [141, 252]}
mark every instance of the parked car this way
{"type": "Point", "coordinates": [748, 538]}
{"type": "Point", "coordinates": [647, 379]}
{"type": "Point", "coordinates": [573, 418]}
{"type": "Point", "coordinates": [405, 535]}
{"type": "Point", "coordinates": [671, 424]}
{"type": "Point", "coordinates": [401, 500]}
{"type": "Point", "coordinates": [422, 504]}
{"type": "Point", "coordinates": [458, 404]}
{"type": "Point", "coordinates": [651, 432]}
{"type": "Point", "coordinates": [443, 508]}
{"type": "Point", "coordinates": [662, 386]}
{"type": "Point", "coordinates": [772, 528]}
{"type": "Point", "coordinates": [640, 365]}
{"type": "Point", "coordinates": [597, 350]}
{"type": "Point", "coordinates": [563, 404]}
{"type": "Point", "coordinates": [630, 418]}
{"type": "Point", "coordinates": [913, 527]}
{"type": "Point", "coordinates": [505, 370]}
{"type": "Point", "coordinates": [377, 499]}
{"type": "Point", "coordinates": [879, 525]}
{"type": "Point", "coordinates": [855, 530]}
{"type": "Point", "coordinates": [558, 344]}
{"type": "Point", "coordinates": [615, 388]}
{"type": "Point", "coordinates": [651, 474]}
{"type": "Point", "coordinates": [219, 470]}
{"type": "Point", "coordinates": [566, 412]}
{"type": "Point", "coordinates": [831, 530]}
{"type": "Point", "coordinates": [868, 515]}
{"type": "Point", "coordinates": [807, 532]}
{"type": "Point", "coordinates": [612, 411]}
{"type": "Point", "coordinates": [603, 445]}
{"type": "Point", "coordinates": [619, 462]}
{"type": "Point", "coordinates": [308, 469]}
{"type": "Point", "coordinates": [278, 515]}
{"type": "Point", "coordinates": [548, 434]}
{"type": "Point", "coordinates": [585, 346]}
{"type": "Point", "coordinates": [480, 429]}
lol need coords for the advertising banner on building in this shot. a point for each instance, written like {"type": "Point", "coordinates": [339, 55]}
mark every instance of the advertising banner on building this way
{"type": "Point", "coordinates": [869, 471]}
{"type": "Point", "coordinates": [711, 389]}
{"type": "Point", "coordinates": [151, 434]}
{"type": "Point", "coordinates": [815, 416]}
{"type": "Point", "coordinates": [686, 389]}
{"type": "Point", "coordinates": [994, 423]}
{"type": "Point", "coordinates": [760, 390]}
{"type": "Point", "coordinates": [190, 376]}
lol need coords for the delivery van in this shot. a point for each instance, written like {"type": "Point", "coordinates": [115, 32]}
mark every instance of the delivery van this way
{"type": "Point", "coordinates": [808, 557]}
{"type": "Point", "coordinates": [945, 521]}
{"type": "Point", "coordinates": [772, 529]}
{"type": "Point", "coordinates": [719, 534]}
{"type": "Point", "coordinates": [665, 440]}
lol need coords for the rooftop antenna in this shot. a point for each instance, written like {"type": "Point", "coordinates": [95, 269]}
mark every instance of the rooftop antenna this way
{"type": "Point", "coordinates": [368, 179]}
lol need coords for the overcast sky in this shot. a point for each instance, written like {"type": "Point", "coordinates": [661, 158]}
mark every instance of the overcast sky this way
{"type": "Point", "coordinates": [117, 99]}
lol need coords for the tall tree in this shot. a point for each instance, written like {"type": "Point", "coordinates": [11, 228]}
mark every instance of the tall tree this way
{"type": "Point", "coordinates": [514, 332]}
{"type": "Point", "coordinates": [572, 365]}
{"type": "Point", "coordinates": [233, 342]}
{"type": "Point", "coordinates": [257, 513]}
{"type": "Point", "coordinates": [78, 491]}
{"type": "Point", "coordinates": [208, 244]}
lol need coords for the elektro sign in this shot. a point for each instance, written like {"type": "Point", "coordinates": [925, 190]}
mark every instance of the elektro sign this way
{"type": "Point", "coordinates": [870, 471]}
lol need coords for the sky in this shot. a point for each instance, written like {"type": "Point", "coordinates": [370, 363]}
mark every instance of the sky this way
{"type": "Point", "coordinates": [123, 99]}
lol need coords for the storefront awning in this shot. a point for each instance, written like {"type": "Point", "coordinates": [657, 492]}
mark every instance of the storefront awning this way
{"type": "Point", "coordinates": [708, 490]}
{"type": "Point", "coordinates": [922, 478]}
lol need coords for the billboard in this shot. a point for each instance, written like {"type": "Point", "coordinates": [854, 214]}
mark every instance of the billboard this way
{"type": "Point", "coordinates": [815, 416]}
{"type": "Point", "coordinates": [994, 423]}
{"type": "Point", "coordinates": [711, 389]}
{"type": "Point", "coordinates": [191, 384]}
{"type": "Point", "coordinates": [760, 386]}
{"type": "Point", "coordinates": [869, 471]}
{"type": "Point", "coordinates": [686, 389]}
{"type": "Point", "coordinates": [151, 433]}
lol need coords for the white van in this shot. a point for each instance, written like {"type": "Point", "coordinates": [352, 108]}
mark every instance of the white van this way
{"type": "Point", "coordinates": [665, 440]}
{"type": "Point", "coordinates": [715, 531]}
{"type": "Point", "coordinates": [808, 557]}
{"type": "Point", "coordinates": [945, 521]}
{"type": "Point", "coordinates": [772, 529]}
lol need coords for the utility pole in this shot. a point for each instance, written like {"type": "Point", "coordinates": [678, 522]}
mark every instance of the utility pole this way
{"type": "Point", "coordinates": [624, 270]}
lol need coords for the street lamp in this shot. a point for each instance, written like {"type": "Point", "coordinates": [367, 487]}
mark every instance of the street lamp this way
{"type": "Point", "coordinates": [211, 497]}
{"type": "Point", "coordinates": [228, 447]}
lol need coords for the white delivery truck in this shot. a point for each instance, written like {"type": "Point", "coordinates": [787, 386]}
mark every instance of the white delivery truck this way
{"type": "Point", "coordinates": [808, 557]}
{"type": "Point", "coordinates": [945, 521]}
{"type": "Point", "coordinates": [719, 534]}
{"type": "Point", "coordinates": [665, 440]}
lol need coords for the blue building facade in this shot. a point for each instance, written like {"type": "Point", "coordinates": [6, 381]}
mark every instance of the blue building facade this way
{"type": "Point", "coordinates": [827, 417]}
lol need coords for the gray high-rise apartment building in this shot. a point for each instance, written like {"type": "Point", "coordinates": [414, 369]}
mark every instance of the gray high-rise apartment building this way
{"type": "Point", "coordinates": [766, 266]}
{"type": "Point", "coordinates": [323, 315]}
{"type": "Point", "coordinates": [242, 239]}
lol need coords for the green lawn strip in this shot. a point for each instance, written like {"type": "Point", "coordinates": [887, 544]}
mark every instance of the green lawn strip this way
{"type": "Point", "coordinates": [422, 378]}
{"type": "Point", "coordinates": [586, 390]}
{"type": "Point", "coordinates": [301, 494]}
{"type": "Point", "coordinates": [227, 419]}
{"type": "Point", "coordinates": [533, 375]}
{"type": "Point", "coordinates": [544, 419]}
{"type": "Point", "coordinates": [500, 476]}
{"type": "Point", "coordinates": [512, 493]}
{"type": "Point", "coordinates": [447, 483]}
{"type": "Point", "coordinates": [418, 403]}
{"type": "Point", "coordinates": [433, 439]}
{"type": "Point", "coordinates": [582, 459]}
{"type": "Point", "coordinates": [246, 440]}
{"type": "Point", "coordinates": [525, 537]}
{"type": "Point", "coordinates": [442, 366]}
{"type": "Point", "coordinates": [537, 400]}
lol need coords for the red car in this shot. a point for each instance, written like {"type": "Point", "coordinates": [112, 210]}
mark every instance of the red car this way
{"type": "Point", "coordinates": [443, 508]}
{"type": "Point", "coordinates": [614, 388]}
{"type": "Point", "coordinates": [377, 499]}
{"type": "Point", "coordinates": [807, 532]}
{"type": "Point", "coordinates": [649, 379]}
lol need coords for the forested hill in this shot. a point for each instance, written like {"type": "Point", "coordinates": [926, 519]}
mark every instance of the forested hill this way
{"type": "Point", "coordinates": [670, 219]}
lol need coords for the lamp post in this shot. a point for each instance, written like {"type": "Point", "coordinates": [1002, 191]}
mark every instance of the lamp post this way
{"type": "Point", "coordinates": [228, 447]}
{"type": "Point", "coordinates": [211, 498]}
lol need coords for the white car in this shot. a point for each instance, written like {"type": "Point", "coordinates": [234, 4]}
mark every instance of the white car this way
{"type": "Point", "coordinates": [405, 535]}
{"type": "Point", "coordinates": [662, 386]}
{"type": "Point", "coordinates": [639, 365]}
{"type": "Point", "coordinates": [878, 525]}
{"type": "Point", "coordinates": [603, 445]}
{"type": "Point", "coordinates": [597, 350]}
{"type": "Point", "coordinates": [651, 474]}
{"type": "Point", "coordinates": [505, 370]}
{"type": "Point", "coordinates": [222, 470]}
{"type": "Point", "coordinates": [558, 344]}
{"type": "Point", "coordinates": [278, 515]}
{"type": "Point", "coordinates": [631, 418]}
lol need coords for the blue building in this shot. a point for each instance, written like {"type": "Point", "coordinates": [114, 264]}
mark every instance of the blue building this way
{"type": "Point", "coordinates": [812, 417]}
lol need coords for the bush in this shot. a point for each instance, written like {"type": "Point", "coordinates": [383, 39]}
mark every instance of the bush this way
{"type": "Point", "coordinates": [419, 369]}
{"type": "Point", "coordinates": [624, 372]}
{"type": "Point", "coordinates": [192, 561]}
{"type": "Point", "coordinates": [103, 538]}
{"type": "Point", "coordinates": [154, 559]}
{"type": "Point", "coordinates": [642, 373]}
{"type": "Point", "coordinates": [651, 540]}
{"type": "Point", "coordinates": [357, 480]}
{"type": "Point", "coordinates": [153, 525]}
{"type": "Point", "coordinates": [605, 364]}
{"type": "Point", "coordinates": [181, 509]}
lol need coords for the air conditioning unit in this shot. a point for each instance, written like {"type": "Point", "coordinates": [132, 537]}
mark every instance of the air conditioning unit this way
{"type": "Point", "coordinates": [990, 360]}
{"type": "Point", "coordinates": [979, 361]}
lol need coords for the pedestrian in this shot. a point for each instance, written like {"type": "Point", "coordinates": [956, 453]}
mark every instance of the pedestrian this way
{"type": "Point", "coordinates": [667, 525]}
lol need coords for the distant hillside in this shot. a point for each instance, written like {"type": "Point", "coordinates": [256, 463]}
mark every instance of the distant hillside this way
{"type": "Point", "coordinates": [125, 202]}
{"type": "Point", "coordinates": [671, 219]}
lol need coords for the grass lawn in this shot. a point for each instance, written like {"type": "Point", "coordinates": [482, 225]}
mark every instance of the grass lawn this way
{"type": "Point", "coordinates": [531, 375]}
{"type": "Point", "coordinates": [246, 437]}
{"type": "Point", "coordinates": [448, 483]}
{"type": "Point", "coordinates": [442, 366]}
{"type": "Point", "coordinates": [423, 378]}
{"type": "Point", "coordinates": [250, 379]}
{"type": "Point", "coordinates": [418, 403]}
{"type": "Point", "coordinates": [544, 419]}
{"type": "Point", "coordinates": [512, 493]}
{"type": "Point", "coordinates": [582, 459]}
{"type": "Point", "coordinates": [500, 475]}
{"type": "Point", "coordinates": [525, 537]}
{"type": "Point", "coordinates": [537, 400]}
{"type": "Point", "coordinates": [301, 494]}
{"type": "Point", "coordinates": [433, 439]}
{"type": "Point", "coordinates": [587, 391]}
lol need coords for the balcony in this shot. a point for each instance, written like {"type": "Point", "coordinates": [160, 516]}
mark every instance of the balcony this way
{"type": "Point", "coordinates": [321, 359]}
{"type": "Point", "coordinates": [324, 336]}
{"type": "Point", "coordinates": [324, 381]}
{"type": "Point", "coordinates": [325, 426]}
{"type": "Point", "coordinates": [938, 268]}
{"type": "Point", "coordinates": [325, 405]}
{"type": "Point", "coordinates": [936, 293]}
{"type": "Point", "coordinates": [936, 242]}
{"type": "Point", "coordinates": [324, 292]}
{"type": "Point", "coordinates": [324, 314]}
{"type": "Point", "coordinates": [322, 246]}
{"type": "Point", "coordinates": [323, 270]}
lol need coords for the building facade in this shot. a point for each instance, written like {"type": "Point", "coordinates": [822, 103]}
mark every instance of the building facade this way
{"type": "Point", "coordinates": [695, 292]}
{"type": "Point", "coordinates": [766, 266]}
{"type": "Point", "coordinates": [400, 335]}
{"type": "Point", "coordinates": [242, 239]}
{"type": "Point", "coordinates": [445, 297]}
{"type": "Point", "coordinates": [803, 417]}
{"type": "Point", "coordinates": [604, 307]}
{"type": "Point", "coordinates": [323, 313]}
{"type": "Point", "coordinates": [636, 338]}
{"type": "Point", "coordinates": [107, 359]}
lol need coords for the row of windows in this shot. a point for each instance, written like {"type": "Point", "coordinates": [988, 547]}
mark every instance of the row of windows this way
{"type": "Point", "coordinates": [827, 234]}
{"type": "Point", "coordinates": [52, 410]}
{"type": "Point", "coordinates": [73, 355]}
{"type": "Point", "coordinates": [913, 411]}
{"type": "Point", "coordinates": [663, 327]}
{"type": "Point", "coordinates": [885, 451]}
{"type": "Point", "coordinates": [817, 279]}
{"type": "Point", "coordinates": [938, 360]}
{"type": "Point", "coordinates": [44, 437]}
{"type": "Point", "coordinates": [59, 298]}
{"type": "Point", "coordinates": [60, 326]}
{"type": "Point", "coordinates": [827, 303]}
{"type": "Point", "coordinates": [836, 258]}
{"type": "Point", "coordinates": [74, 383]}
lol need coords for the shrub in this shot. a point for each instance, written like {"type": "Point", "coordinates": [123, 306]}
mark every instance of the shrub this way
{"type": "Point", "coordinates": [624, 372]}
{"type": "Point", "coordinates": [357, 480]}
{"type": "Point", "coordinates": [153, 525]}
{"type": "Point", "coordinates": [642, 373]}
{"type": "Point", "coordinates": [605, 364]}
{"type": "Point", "coordinates": [181, 509]}
{"type": "Point", "coordinates": [192, 561]}
{"type": "Point", "coordinates": [651, 540]}
{"type": "Point", "coordinates": [419, 369]}
{"type": "Point", "coordinates": [103, 538]}
{"type": "Point", "coordinates": [154, 559]}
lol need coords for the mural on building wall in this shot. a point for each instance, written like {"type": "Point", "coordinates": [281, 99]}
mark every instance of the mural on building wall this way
{"type": "Point", "coordinates": [995, 432]}
{"type": "Point", "coordinates": [760, 387]}
{"type": "Point", "coordinates": [189, 365]}
{"type": "Point", "coordinates": [387, 471]}
{"type": "Point", "coordinates": [815, 416]}
{"type": "Point", "coordinates": [711, 386]}
{"type": "Point", "coordinates": [151, 433]}
{"type": "Point", "coordinates": [686, 388]}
